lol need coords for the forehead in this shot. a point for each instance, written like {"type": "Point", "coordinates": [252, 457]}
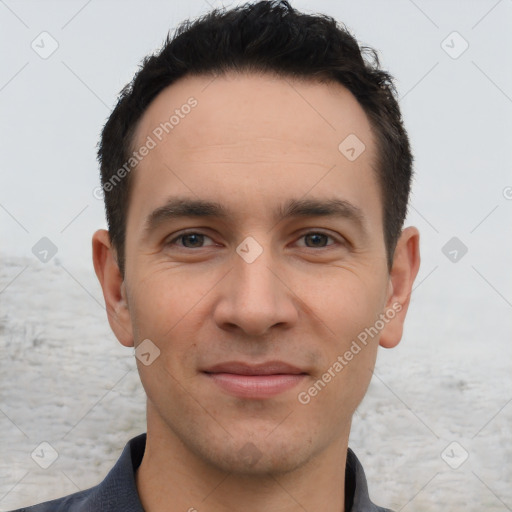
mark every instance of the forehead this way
{"type": "Point", "coordinates": [253, 134]}
{"type": "Point", "coordinates": [233, 106]}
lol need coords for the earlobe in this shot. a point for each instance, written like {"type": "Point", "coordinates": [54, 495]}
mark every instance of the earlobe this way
{"type": "Point", "coordinates": [406, 262]}
{"type": "Point", "coordinates": [113, 286]}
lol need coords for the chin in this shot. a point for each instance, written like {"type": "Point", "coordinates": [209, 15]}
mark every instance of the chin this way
{"type": "Point", "coordinates": [252, 459]}
{"type": "Point", "coordinates": [255, 455]}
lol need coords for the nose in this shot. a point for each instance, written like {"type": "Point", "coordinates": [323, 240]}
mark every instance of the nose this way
{"type": "Point", "coordinates": [255, 297]}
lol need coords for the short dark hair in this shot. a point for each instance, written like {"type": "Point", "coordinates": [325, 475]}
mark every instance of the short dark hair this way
{"type": "Point", "coordinates": [264, 37]}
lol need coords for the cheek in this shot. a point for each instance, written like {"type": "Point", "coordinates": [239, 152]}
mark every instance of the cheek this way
{"type": "Point", "coordinates": [165, 298]}
{"type": "Point", "coordinates": [344, 300]}
{"type": "Point", "coordinates": [168, 308]}
{"type": "Point", "coordinates": [347, 305]}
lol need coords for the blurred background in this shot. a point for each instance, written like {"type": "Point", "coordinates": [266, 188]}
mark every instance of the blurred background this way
{"type": "Point", "coordinates": [435, 428]}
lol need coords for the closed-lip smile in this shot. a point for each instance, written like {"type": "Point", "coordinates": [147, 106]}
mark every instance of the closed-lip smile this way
{"type": "Point", "coordinates": [257, 381]}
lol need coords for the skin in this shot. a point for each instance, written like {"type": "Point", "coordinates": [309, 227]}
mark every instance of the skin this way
{"type": "Point", "coordinates": [252, 142]}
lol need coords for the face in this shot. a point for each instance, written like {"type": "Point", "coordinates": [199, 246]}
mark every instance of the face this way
{"type": "Point", "coordinates": [254, 302]}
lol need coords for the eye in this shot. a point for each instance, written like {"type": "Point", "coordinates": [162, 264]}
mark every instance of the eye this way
{"type": "Point", "coordinates": [195, 240]}
{"type": "Point", "coordinates": [316, 239]}
{"type": "Point", "coordinates": [190, 240]}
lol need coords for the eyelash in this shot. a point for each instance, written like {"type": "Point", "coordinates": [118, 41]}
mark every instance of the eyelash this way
{"type": "Point", "coordinates": [184, 234]}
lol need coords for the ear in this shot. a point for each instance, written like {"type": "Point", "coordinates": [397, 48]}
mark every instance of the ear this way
{"type": "Point", "coordinates": [406, 262]}
{"type": "Point", "coordinates": [113, 285]}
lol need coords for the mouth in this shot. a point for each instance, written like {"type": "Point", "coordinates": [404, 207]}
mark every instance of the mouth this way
{"type": "Point", "coordinates": [257, 381]}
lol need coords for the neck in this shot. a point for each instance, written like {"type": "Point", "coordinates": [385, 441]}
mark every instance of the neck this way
{"type": "Point", "coordinates": [173, 479]}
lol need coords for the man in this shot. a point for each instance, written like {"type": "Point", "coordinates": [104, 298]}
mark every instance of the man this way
{"type": "Point", "coordinates": [256, 175]}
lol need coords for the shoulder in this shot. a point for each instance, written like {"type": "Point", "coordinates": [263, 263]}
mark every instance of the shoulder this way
{"type": "Point", "coordinates": [72, 502]}
{"type": "Point", "coordinates": [117, 492]}
{"type": "Point", "coordinates": [356, 487]}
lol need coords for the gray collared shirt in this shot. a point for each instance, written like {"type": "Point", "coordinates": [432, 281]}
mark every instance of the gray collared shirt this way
{"type": "Point", "coordinates": [118, 492]}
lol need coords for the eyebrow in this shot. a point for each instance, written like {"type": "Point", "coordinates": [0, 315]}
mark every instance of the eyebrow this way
{"type": "Point", "coordinates": [180, 207]}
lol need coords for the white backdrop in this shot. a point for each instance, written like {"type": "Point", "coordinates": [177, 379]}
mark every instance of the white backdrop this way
{"type": "Point", "coordinates": [435, 428]}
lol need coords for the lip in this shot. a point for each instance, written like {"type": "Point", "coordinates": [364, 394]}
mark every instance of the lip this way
{"type": "Point", "coordinates": [268, 368]}
{"type": "Point", "coordinates": [255, 380]}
